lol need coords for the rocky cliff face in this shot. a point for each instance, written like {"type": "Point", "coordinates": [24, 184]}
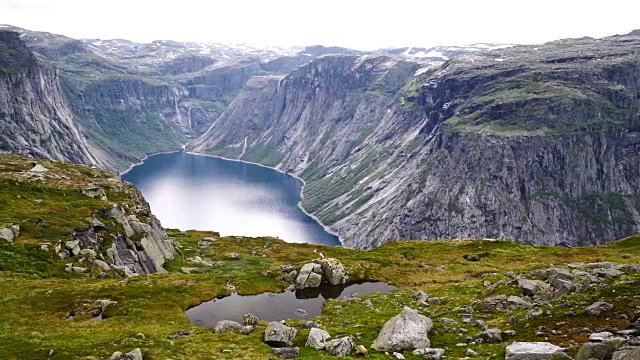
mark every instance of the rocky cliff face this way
{"type": "Point", "coordinates": [35, 118]}
{"type": "Point", "coordinates": [532, 144]}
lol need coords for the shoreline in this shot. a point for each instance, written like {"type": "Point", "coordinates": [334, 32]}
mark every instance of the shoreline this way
{"type": "Point", "coordinates": [304, 183]}
{"type": "Point", "coordinates": [299, 205]}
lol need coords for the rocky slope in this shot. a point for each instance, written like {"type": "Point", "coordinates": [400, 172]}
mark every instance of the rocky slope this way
{"type": "Point", "coordinates": [78, 219]}
{"type": "Point", "coordinates": [35, 118]}
{"type": "Point", "coordinates": [534, 144]}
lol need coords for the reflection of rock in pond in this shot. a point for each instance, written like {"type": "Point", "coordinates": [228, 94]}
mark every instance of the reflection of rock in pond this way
{"type": "Point", "coordinates": [279, 306]}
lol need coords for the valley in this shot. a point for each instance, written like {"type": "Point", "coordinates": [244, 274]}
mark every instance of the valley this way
{"type": "Point", "coordinates": [486, 196]}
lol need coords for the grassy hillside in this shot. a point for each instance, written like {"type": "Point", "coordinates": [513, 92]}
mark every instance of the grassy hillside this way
{"type": "Point", "coordinates": [38, 295]}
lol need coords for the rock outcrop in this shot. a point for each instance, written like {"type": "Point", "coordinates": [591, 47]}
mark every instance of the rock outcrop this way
{"type": "Point", "coordinates": [279, 334]}
{"type": "Point", "coordinates": [408, 330]}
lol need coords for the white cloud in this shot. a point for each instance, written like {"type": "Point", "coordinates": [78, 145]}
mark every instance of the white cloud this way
{"type": "Point", "coordinates": [352, 23]}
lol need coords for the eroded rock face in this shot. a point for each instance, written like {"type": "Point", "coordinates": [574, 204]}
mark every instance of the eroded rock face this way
{"type": "Point", "coordinates": [279, 334]}
{"type": "Point", "coordinates": [408, 330]}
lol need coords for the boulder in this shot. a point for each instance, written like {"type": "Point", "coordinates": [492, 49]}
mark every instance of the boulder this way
{"type": "Point", "coordinates": [361, 350]}
{"type": "Point", "coordinates": [279, 334]}
{"type": "Point", "coordinates": [491, 336]}
{"type": "Point", "coordinates": [39, 169]}
{"type": "Point", "coordinates": [246, 330]}
{"type": "Point", "coordinates": [250, 319]}
{"type": "Point", "coordinates": [600, 336]}
{"type": "Point", "coordinates": [134, 354]}
{"type": "Point", "coordinates": [287, 352]}
{"type": "Point", "coordinates": [534, 351]}
{"type": "Point", "coordinates": [7, 234]}
{"type": "Point", "coordinates": [309, 276]}
{"type": "Point", "coordinates": [308, 324]}
{"type": "Point", "coordinates": [429, 354]}
{"type": "Point", "coordinates": [420, 296]}
{"type": "Point", "coordinates": [536, 289]}
{"type": "Point", "coordinates": [598, 308]}
{"type": "Point", "coordinates": [629, 353]}
{"type": "Point", "coordinates": [317, 338]}
{"type": "Point", "coordinates": [595, 351]}
{"type": "Point", "coordinates": [103, 265]}
{"type": "Point", "coordinates": [406, 331]}
{"type": "Point", "coordinates": [340, 347]}
{"type": "Point", "coordinates": [333, 271]}
{"type": "Point", "coordinates": [225, 326]}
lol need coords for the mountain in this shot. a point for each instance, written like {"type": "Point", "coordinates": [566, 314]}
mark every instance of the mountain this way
{"type": "Point", "coordinates": [35, 118]}
{"type": "Point", "coordinates": [533, 144]}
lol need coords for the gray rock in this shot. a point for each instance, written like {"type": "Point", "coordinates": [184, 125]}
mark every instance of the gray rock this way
{"type": "Point", "coordinates": [97, 225]}
{"type": "Point", "coordinates": [94, 192]}
{"type": "Point", "coordinates": [89, 252]}
{"type": "Point", "coordinates": [291, 276]}
{"type": "Point", "coordinates": [629, 269]}
{"type": "Point", "coordinates": [103, 265]}
{"type": "Point", "coordinates": [471, 257]}
{"type": "Point", "coordinates": [471, 352]}
{"type": "Point", "coordinates": [406, 331]}
{"type": "Point", "coordinates": [535, 351]}
{"type": "Point", "coordinates": [595, 351]}
{"type": "Point", "coordinates": [309, 276]}
{"type": "Point", "coordinates": [600, 336]}
{"type": "Point", "coordinates": [7, 234]}
{"type": "Point", "coordinates": [246, 330]}
{"type": "Point", "coordinates": [250, 319]}
{"type": "Point", "coordinates": [368, 304]}
{"type": "Point", "coordinates": [225, 326]}
{"type": "Point", "coordinates": [448, 321]}
{"type": "Point", "coordinates": [286, 352]}
{"type": "Point", "coordinates": [182, 334]}
{"type": "Point", "coordinates": [279, 334]}
{"type": "Point", "coordinates": [317, 338]}
{"type": "Point", "coordinates": [232, 256]}
{"type": "Point", "coordinates": [333, 271]}
{"type": "Point", "coordinates": [39, 169]}
{"type": "Point", "coordinates": [598, 308]}
{"type": "Point", "coordinates": [534, 288]}
{"type": "Point", "coordinates": [340, 347]}
{"type": "Point", "coordinates": [308, 324]}
{"type": "Point", "coordinates": [629, 353]}
{"type": "Point", "coordinates": [134, 354]}
{"type": "Point", "coordinates": [429, 354]}
{"type": "Point", "coordinates": [420, 296]}
{"type": "Point", "coordinates": [491, 336]}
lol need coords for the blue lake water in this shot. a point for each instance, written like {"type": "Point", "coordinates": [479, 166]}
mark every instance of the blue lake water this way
{"type": "Point", "coordinates": [188, 191]}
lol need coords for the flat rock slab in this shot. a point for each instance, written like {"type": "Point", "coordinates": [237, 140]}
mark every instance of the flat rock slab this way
{"type": "Point", "coordinates": [535, 351]}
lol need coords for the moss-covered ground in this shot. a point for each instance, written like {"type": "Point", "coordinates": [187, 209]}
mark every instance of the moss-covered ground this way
{"type": "Point", "coordinates": [38, 296]}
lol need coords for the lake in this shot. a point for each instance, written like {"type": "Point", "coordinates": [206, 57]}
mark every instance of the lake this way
{"type": "Point", "coordinates": [188, 191]}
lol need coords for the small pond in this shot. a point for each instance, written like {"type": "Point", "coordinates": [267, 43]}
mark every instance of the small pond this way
{"type": "Point", "coordinates": [278, 306]}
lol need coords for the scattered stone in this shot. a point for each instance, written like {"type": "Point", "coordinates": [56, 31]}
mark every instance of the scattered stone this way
{"type": "Point", "coordinates": [361, 350]}
{"type": "Point", "coordinates": [45, 247]}
{"type": "Point", "coordinates": [182, 334]}
{"type": "Point", "coordinates": [471, 352]}
{"type": "Point", "coordinates": [398, 356]}
{"type": "Point", "coordinates": [491, 336]}
{"type": "Point", "coordinates": [250, 319]}
{"type": "Point", "coordinates": [333, 271]}
{"type": "Point", "coordinates": [39, 169]}
{"type": "Point", "coordinates": [406, 331]}
{"type": "Point", "coordinates": [317, 338]}
{"type": "Point", "coordinates": [232, 256]}
{"type": "Point", "coordinates": [246, 330]}
{"type": "Point", "coordinates": [189, 270]}
{"type": "Point", "coordinates": [598, 308]}
{"type": "Point", "coordinates": [420, 296]}
{"type": "Point", "coordinates": [287, 352]}
{"type": "Point", "coordinates": [7, 234]}
{"type": "Point", "coordinates": [308, 324]}
{"type": "Point", "coordinates": [600, 336]}
{"type": "Point", "coordinates": [134, 354]}
{"type": "Point", "coordinates": [629, 353]}
{"type": "Point", "coordinates": [340, 347]}
{"type": "Point", "coordinates": [368, 304]}
{"type": "Point", "coordinates": [94, 192]}
{"type": "Point", "coordinates": [597, 351]}
{"type": "Point", "coordinates": [535, 351]}
{"type": "Point", "coordinates": [448, 321]}
{"type": "Point", "coordinates": [89, 252]}
{"type": "Point", "coordinates": [429, 354]}
{"type": "Point", "coordinates": [471, 257]}
{"type": "Point", "coordinates": [279, 334]}
{"type": "Point", "coordinates": [291, 276]}
{"type": "Point", "coordinates": [225, 326]}
{"type": "Point", "coordinates": [75, 269]}
{"type": "Point", "coordinates": [97, 225]}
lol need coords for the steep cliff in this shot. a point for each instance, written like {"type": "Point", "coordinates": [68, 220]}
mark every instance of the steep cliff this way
{"type": "Point", "coordinates": [533, 144]}
{"type": "Point", "coordinates": [35, 118]}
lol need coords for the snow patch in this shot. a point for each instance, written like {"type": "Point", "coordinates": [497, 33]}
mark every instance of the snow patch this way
{"type": "Point", "coordinates": [499, 59]}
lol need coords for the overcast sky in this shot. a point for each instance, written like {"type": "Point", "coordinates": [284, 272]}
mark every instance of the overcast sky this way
{"type": "Point", "coordinates": [352, 23]}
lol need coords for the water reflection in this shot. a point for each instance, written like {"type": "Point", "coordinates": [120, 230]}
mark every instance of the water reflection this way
{"type": "Point", "coordinates": [278, 306]}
